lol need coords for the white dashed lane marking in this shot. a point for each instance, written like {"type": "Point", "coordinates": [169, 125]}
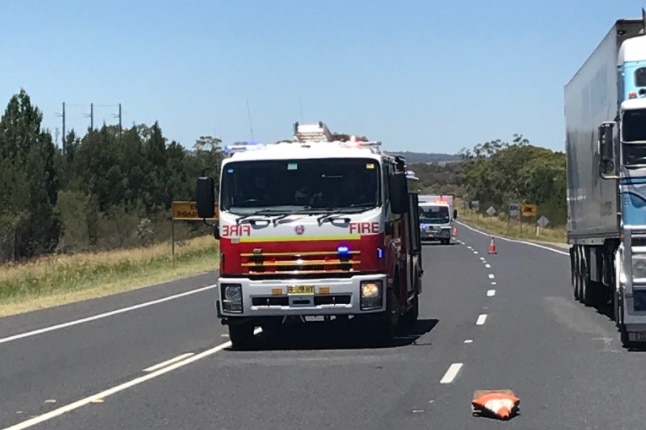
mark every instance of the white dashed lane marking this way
{"type": "Point", "coordinates": [451, 373]}
{"type": "Point", "coordinates": [481, 319]}
{"type": "Point", "coordinates": [491, 293]}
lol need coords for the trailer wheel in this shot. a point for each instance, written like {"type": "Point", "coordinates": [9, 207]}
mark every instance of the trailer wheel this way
{"type": "Point", "coordinates": [577, 274]}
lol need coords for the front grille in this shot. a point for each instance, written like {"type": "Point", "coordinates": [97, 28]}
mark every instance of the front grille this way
{"type": "Point", "coordinates": [300, 263]}
{"type": "Point", "coordinates": [319, 300]}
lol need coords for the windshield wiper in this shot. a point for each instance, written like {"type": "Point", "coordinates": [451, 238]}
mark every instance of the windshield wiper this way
{"type": "Point", "coordinates": [352, 209]}
{"type": "Point", "coordinates": [265, 213]}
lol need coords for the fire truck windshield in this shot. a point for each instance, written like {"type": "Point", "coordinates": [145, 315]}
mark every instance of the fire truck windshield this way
{"type": "Point", "coordinates": [434, 214]}
{"type": "Point", "coordinates": [301, 184]}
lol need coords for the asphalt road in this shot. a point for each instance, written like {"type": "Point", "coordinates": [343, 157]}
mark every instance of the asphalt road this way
{"type": "Point", "coordinates": [486, 321]}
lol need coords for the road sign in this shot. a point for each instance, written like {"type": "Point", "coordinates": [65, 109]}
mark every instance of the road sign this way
{"type": "Point", "coordinates": [543, 221]}
{"type": "Point", "coordinates": [514, 209]}
{"type": "Point", "coordinates": [491, 211]}
{"type": "Point", "coordinates": [529, 209]}
{"type": "Point", "coordinates": [475, 205]}
{"type": "Point", "coordinates": [187, 211]}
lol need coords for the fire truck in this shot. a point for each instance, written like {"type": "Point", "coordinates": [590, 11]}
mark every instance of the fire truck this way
{"type": "Point", "coordinates": [320, 226]}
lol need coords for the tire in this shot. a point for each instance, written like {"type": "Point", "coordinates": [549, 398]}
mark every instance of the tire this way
{"type": "Point", "coordinates": [410, 318]}
{"type": "Point", "coordinates": [241, 335]}
{"type": "Point", "coordinates": [387, 322]}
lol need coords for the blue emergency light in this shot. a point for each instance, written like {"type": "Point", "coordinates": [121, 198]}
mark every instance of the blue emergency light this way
{"type": "Point", "coordinates": [343, 250]}
{"type": "Point", "coordinates": [242, 146]}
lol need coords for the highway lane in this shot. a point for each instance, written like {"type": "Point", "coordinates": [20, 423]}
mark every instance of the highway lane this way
{"type": "Point", "coordinates": [30, 321]}
{"type": "Point", "coordinates": [486, 321]}
{"type": "Point", "coordinates": [71, 362]}
{"type": "Point", "coordinates": [564, 360]}
{"type": "Point", "coordinates": [333, 382]}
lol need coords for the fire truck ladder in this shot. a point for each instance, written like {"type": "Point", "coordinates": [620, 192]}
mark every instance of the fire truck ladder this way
{"type": "Point", "coordinates": [312, 132]}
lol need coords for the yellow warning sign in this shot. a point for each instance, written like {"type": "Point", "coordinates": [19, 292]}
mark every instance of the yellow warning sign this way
{"type": "Point", "coordinates": [529, 209]}
{"type": "Point", "coordinates": [187, 211]}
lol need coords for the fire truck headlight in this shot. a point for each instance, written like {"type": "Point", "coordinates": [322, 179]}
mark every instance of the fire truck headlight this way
{"type": "Point", "coordinates": [231, 297]}
{"type": "Point", "coordinates": [371, 295]}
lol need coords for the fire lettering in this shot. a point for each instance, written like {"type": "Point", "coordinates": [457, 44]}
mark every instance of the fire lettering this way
{"type": "Point", "coordinates": [236, 230]}
{"type": "Point", "coordinates": [364, 227]}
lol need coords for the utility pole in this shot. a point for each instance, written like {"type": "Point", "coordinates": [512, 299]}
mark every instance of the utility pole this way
{"type": "Point", "coordinates": [91, 116]}
{"type": "Point", "coordinates": [120, 118]}
{"type": "Point", "coordinates": [63, 142]}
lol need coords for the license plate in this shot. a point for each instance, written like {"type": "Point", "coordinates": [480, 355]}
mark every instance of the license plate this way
{"type": "Point", "coordinates": [637, 336]}
{"type": "Point", "coordinates": [300, 289]}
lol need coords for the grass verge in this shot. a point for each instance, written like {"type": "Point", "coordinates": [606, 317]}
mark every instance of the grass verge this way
{"type": "Point", "coordinates": [494, 225]}
{"type": "Point", "coordinates": [63, 279]}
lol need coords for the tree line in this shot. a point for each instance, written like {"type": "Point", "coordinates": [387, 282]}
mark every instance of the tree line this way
{"type": "Point", "coordinates": [109, 188]}
{"type": "Point", "coordinates": [496, 173]}
{"type": "Point", "coordinates": [113, 188]}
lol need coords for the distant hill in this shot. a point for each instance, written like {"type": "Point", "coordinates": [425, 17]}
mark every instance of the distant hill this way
{"type": "Point", "coordinates": [423, 157]}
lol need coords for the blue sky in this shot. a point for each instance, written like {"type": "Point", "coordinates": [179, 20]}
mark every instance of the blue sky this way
{"type": "Point", "coordinates": [418, 75]}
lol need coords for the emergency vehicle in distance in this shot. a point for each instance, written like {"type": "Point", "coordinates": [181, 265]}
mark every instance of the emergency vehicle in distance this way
{"type": "Point", "coordinates": [437, 216]}
{"type": "Point", "coordinates": [320, 226]}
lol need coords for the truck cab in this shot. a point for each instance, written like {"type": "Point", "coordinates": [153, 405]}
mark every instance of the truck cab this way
{"type": "Point", "coordinates": [319, 226]}
{"type": "Point", "coordinates": [437, 218]}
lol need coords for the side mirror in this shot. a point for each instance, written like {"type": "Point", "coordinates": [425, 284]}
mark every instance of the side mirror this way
{"type": "Point", "coordinates": [205, 197]}
{"type": "Point", "coordinates": [607, 165]}
{"type": "Point", "coordinates": [455, 214]}
{"type": "Point", "coordinates": [398, 193]}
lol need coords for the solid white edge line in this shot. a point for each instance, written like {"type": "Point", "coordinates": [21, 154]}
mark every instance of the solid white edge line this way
{"type": "Point", "coordinates": [451, 373]}
{"type": "Point", "coordinates": [491, 293]}
{"type": "Point", "coordinates": [547, 248]}
{"type": "Point", "coordinates": [167, 362]}
{"type": "Point", "coordinates": [103, 315]}
{"type": "Point", "coordinates": [481, 319]}
{"type": "Point", "coordinates": [103, 394]}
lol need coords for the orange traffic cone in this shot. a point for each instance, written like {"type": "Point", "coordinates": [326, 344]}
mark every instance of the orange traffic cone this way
{"type": "Point", "coordinates": [455, 231]}
{"type": "Point", "coordinates": [500, 404]}
{"type": "Point", "coordinates": [492, 247]}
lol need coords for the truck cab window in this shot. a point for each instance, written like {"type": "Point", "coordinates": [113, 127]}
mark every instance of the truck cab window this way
{"type": "Point", "coordinates": [640, 77]}
{"type": "Point", "coordinates": [634, 130]}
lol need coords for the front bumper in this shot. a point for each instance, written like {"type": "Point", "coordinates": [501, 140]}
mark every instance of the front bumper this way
{"type": "Point", "coordinates": [270, 297]}
{"type": "Point", "coordinates": [432, 233]}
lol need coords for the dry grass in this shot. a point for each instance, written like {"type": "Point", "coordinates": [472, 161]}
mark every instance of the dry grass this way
{"type": "Point", "coordinates": [512, 229]}
{"type": "Point", "coordinates": [64, 279]}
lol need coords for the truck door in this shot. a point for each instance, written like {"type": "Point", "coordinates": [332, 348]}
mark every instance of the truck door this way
{"type": "Point", "coordinates": [414, 253]}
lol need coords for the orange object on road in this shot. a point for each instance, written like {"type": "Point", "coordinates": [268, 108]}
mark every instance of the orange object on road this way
{"type": "Point", "coordinates": [501, 404]}
{"type": "Point", "coordinates": [492, 247]}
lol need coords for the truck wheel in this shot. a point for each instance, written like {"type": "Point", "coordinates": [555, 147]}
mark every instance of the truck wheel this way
{"type": "Point", "coordinates": [577, 274]}
{"type": "Point", "coordinates": [240, 335]}
{"type": "Point", "coordinates": [410, 318]}
{"type": "Point", "coordinates": [387, 322]}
